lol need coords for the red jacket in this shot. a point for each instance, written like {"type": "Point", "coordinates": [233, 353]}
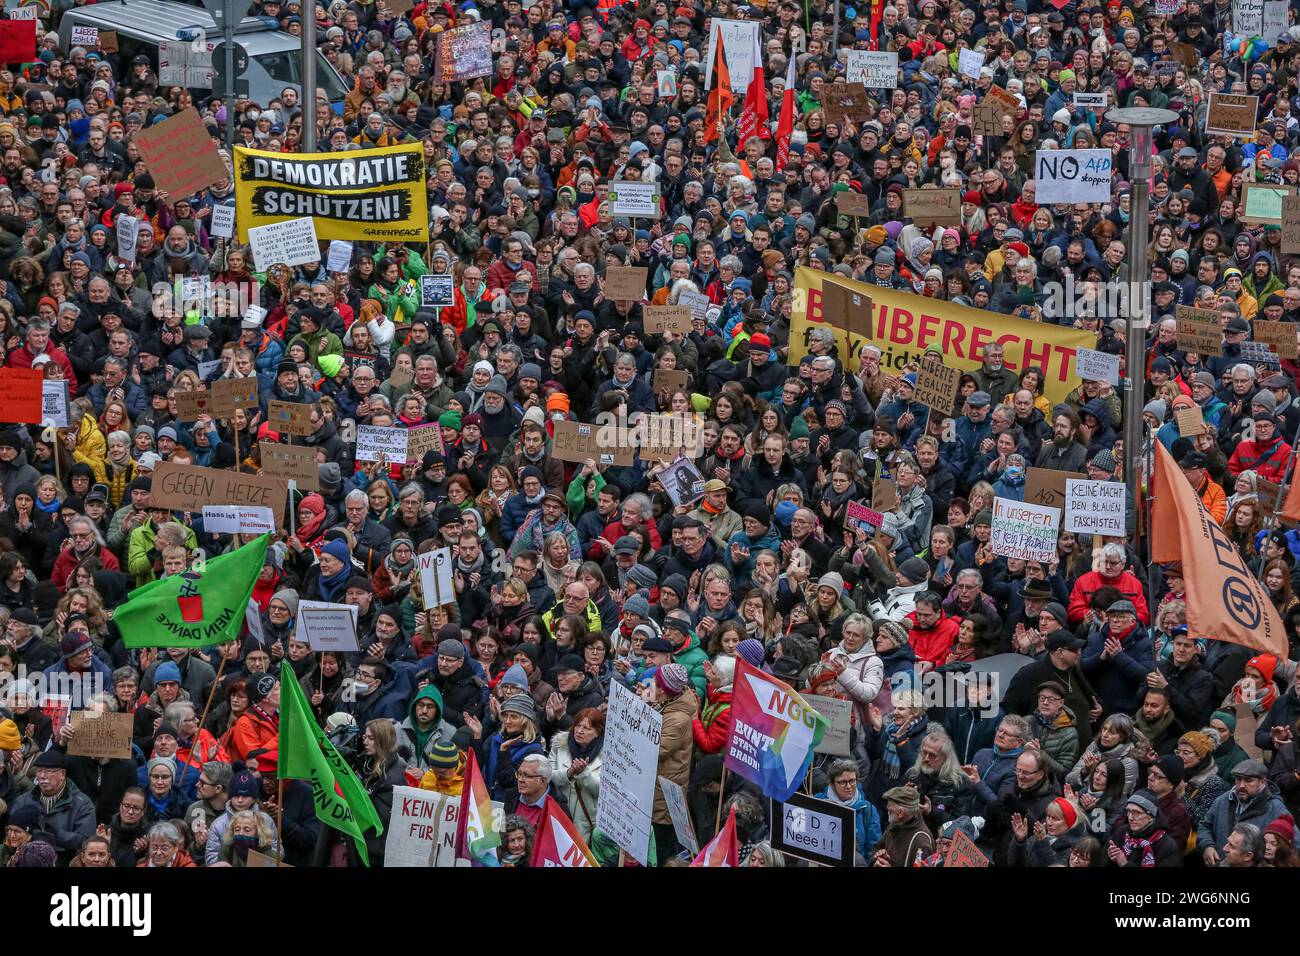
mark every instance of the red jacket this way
{"type": "Point", "coordinates": [500, 275]}
{"type": "Point", "coordinates": [68, 561]}
{"type": "Point", "coordinates": [1268, 461]}
{"type": "Point", "coordinates": [713, 736]}
{"type": "Point", "coordinates": [1092, 582]}
{"type": "Point", "coordinates": [933, 644]}
{"type": "Point", "coordinates": [254, 731]}
{"type": "Point", "coordinates": [21, 358]}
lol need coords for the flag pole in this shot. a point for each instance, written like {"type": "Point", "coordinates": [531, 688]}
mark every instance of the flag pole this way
{"type": "Point", "coordinates": [279, 820]}
{"type": "Point", "coordinates": [1286, 481]}
{"type": "Point", "coordinates": [216, 682]}
{"type": "Point", "coordinates": [722, 790]}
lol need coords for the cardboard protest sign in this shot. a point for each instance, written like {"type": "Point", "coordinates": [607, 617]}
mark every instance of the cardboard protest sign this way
{"type": "Point", "coordinates": [846, 102]}
{"type": "Point", "coordinates": [1199, 330]}
{"type": "Point", "coordinates": [381, 444]}
{"type": "Point", "coordinates": [577, 441]}
{"type": "Point", "coordinates": [1022, 530]}
{"type": "Point", "coordinates": [107, 736]}
{"type": "Point", "coordinates": [1279, 336]}
{"type": "Point", "coordinates": [415, 827]}
{"type": "Point", "coordinates": [289, 418]}
{"type": "Point", "coordinates": [262, 861]}
{"type": "Point", "coordinates": [229, 394]}
{"type": "Point", "coordinates": [293, 462]}
{"type": "Point", "coordinates": [1095, 507]}
{"type": "Point", "coordinates": [423, 439]}
{"type": "Point", "coordinates": [850, 203]}
{"type": "Point", "coordinates": [664, 436]}
{"type": "Point", "coordinates": [181, 156]}
{"type": "Point", "coordinates": [108, 41]}
{"type": "Point", "coordinates": [1291, 223]}
{"type": "Point", "coordinates": [625, 283]}
{"type": "Point", "coordinates": [673, 379]}
{"type": "Point", "coordinates": [1191, 422]}
{"type": "Point", "coordinates": [190, 487]}
{"type": "Point", "coordinates": [327, 627]}
{"type": "Point", "coordinates": [840, 714]}
{"type": "Point", "coordinates": [1046, 486]}
{"type": "Point", "coordinates": [629, 760]}
{"type": "Point", "coordinates": [884, 495]}
{"type": "Point", "coordinates": [190, 405]}
{"type": "Point", "coordinates": [847, 308]}
{"type": "Point", "coordinates": [436, 582]}
{"type": "Point", "coordinates": [1231, 114]}
{"type": "Point", "coordinates": [21, 394]}
{"type": "Point", "coordinates": [937, 384]}
{"type": "Point", "coordinates": [933, 207]}
{"type": "Point", "coordinates": [816, 830]}
{"type": "Point", "coordinates": [675, 798]}
{"type": "Point", "coordinates": [963, 853]}
{"type": "Point", "coordinates": [667, 318]}
{"type": "Point", "coordinates": [987, 119]}
{"type": "Point", "coordinates": [1262, 203]}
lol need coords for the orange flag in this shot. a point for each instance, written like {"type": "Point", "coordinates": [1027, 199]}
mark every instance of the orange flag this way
{"type": "Point", "coordinates": [1224, 600]}
{"type": "Point", "coordinates": [720, 97]}
{"type": "Point", "coordinates": [1291, 506]}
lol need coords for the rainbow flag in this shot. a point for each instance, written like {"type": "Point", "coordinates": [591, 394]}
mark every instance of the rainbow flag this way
{"type": "Point", "coordinates": [476, 840]}
{"type": "Point", "coordinates": [773, 732]}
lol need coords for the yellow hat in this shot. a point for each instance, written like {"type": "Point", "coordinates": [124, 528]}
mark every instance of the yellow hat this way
{"type": "Point", "coordinates": [10, 739]}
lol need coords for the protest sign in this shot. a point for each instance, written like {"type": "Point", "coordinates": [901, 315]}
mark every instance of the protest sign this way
{"type": "Point", "coordinates": [1231, 114]}
{"type": "Point", "coordinates": [258, 860]}
{"type": "Point", "coordinates": [672, 379]}
{"type": "Point", "coordinates": [189, 488]}
{"type": "Point", "coordinates": [54, 403]}
{"type": "Point", "coordinates": [987, 119]}
{"type": "Point", "coordinates": [416, 825]}
{"type": "Point", "coordinates": [223, 222]}
{"type": "Point", "coordinates": [237, 519]}
{"type": "Point", "coordinates": [376, 195]}
{"type": "Point", "coordinates": [1274, 19]}
{"type": "Point", "coordinates": [851, 203]}
{"type": "Point", "coordinates": [1291, 223]}
{"type": "Point", "coordinates": [1095, 507]}
{"type": "Point", "coordinates": [464, 53]}
{"type": "Point", "coordinates": [874, 69]}
{"type": "Point", "coordinates": [381, 444]}
{"type": "Point", "coordinates": [635, 200]}
{"type": "Point", "coordinates": [291, 242]}
{"type": "Point", "coordinates": [289, 418]}
{"type": "Point", "coordinates": [846, 308]}
{"type": "Point", "coordinates": [56, 706]}
{"type": "Point", "coordinates": [423, 439]}
{"type": "Point", "coordinates": [1046, 486]}
{"type": "Point", "coordinates": [128, 229]}
{"type": "Point", "coordinates": [1073, 175]}
{"type": "Point", "coordinates": [1199, 330]}
{"type": "Point", "coordinates": [664, 436]}
{"type": "Point", "coordinates": [26, 13]}
{"type": "Point", "coordinates": [839, 713]}
{"type": "Point", "coordinates": [865, 519]}
{"type": "Point", "coordinates": [18, 41]}
{"type": "Point", "coordinates": [1097, 366]}
{"type": "Point", "coordinates": [629, 759]}
{"type": "Point", "coordinates": [108, 41]}
{"type": "Point", "coordinates": [740, 40]}
{"type": "Point", "coordinates": [667, 82]}
{"type": "Point", "coordinates": [626, 283]}
{"type": "Point", "coordinates": [1191, 422]}
{"type": "Point", "coordinates": [190, 405]}
{"type": "Point", "coordinates": [884, 495]}
{"type": "Point", "coordinates": [1022, 530]}
{"type": "Point", "coordinates": [846, 101]}
{"type": "Point", "coordinates": [1258, 353]}
{"type": "Point", "coordinates": [107, 736]}
{"type": "Point", "coordinates": [933, 207]}
{"type": "Point", "coordinates": [437, 291]}
{"type": "Point", "coordinates": [963, 853]}
{"type": "Point", "coordinates": [22, 394]}
{"type": "Point", "coordinates": [1262, 203]}
{"type": "Point", "coordinates": [682, 482]}
{"type": "Point", "coordinates": [182, 63]}
{"type": "Point", "coordinates": [937, 384]}
{"type": "Point", "coordinates": [577, 441]}
{"type": "Point", "coordinates": [327, 627]}
{"type": "Point", "coordinates": [1090, 101]}
{"type": "Point", "coordinates": [667, 318]}
{"type": "Point", "coordinates": [253, 622]}
{"type": "Point", "coordinates": [208, 369]}
{"type": "Point", "coordinates": [814, 830]}
{"type": "Point", "coordinates": [339, 257]}
{"type": "Point", "coordinates": [1186, 54]}
{"type": "Point", "coordinates": [436, 581]}
{"type": "Point", "coordinates": [293, 462]}
{"type": "Point", "coordinates": [181, 156]}
{"type": "Point", "coordinates": [675, 798]}
{"type": "Point", "coordinates": [85, 36]}
{"type": "Point", "coordinates": [969, 62]}
{"type": "Point", "coordinates": [1248, 18]}
{"type": "Point", "coordinates": [774, 732]}
{"type": "Point", "coordinates": [1279, 336]}
{"type": "Point", "coordinates": [697, 302]}
{"type": "Point", "coordinates": [229, 394]}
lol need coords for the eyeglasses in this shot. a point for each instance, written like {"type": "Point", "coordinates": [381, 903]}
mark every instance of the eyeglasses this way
{"type": "Point", "coordinates": [520, 775]}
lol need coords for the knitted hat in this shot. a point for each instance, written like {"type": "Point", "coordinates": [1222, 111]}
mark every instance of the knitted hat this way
{"type": "Point", "coordinates": [166, 672]}
{"type": "Point", "coordinates": [642, 576]}
{"type": "Point", "coordinates": [832, 580]}
{"type": "Point", "coordinates": [74, 643]}
{"type": "Point", "coordinates": [167, 762]}
{"type": "Point", "coordinates": [558, 402]}
{"type": "Point", "coordinates": [638, 605]}
{"type": "Point", "coordinates": [338, 549]}
{"type": "Point", "coordinates": [894, 631]}
{"type": "Point", "coordinates": [672, 678]}
{"type": "Point", "coordinates": [751, 651]}
{"type": "Point", "coordinates": [515, 677]}
{"type": "Point", "coordinates": [330, 364]}
{"type": "Point", "coordinates": [915, 570]}
{"type": "Point", "coordinates": [1199, 742]}
{"type": "Point", "coordinates": [1144, 799]}
{"type": "Point", "coordinates": [442, 754]}
{"type": "Point", "coordinates": [451, 648]}
{"type": "Point", "coordinates": [261, 688]}
{"type": "Point", "coordinates": [450, 420]}
{"type": "Point", "coordinates": [569, 662]}
{"type": "Point", "coordinates": [244, 784]}
{"type": "Point", "coordinates": [675, 583]}
{"type": "Point", "coordinates": [1068, 811]}
{"type": "Point", "coordinates": [10, 738]}
{"type": "Point", "coordinates": [799, 428]}
{"type": "Point", "coordinates": [289, 598]}
{"type": "Point", "coordinates": [1228, 719]}
{"type": "Point", "coordinates": [1172, 767]}
{"type": "Point", "coordinates": [522, 705]}
{"type": "Point", "coordinates": [1283, 828]}
{"type": "Point", "coordinates": [37, 853]}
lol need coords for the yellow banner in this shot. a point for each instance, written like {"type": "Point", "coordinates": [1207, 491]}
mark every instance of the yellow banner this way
{"type": "Point", "coordinates": [904, 325]}
{"type": "Point", "coordinates": [369, 194]}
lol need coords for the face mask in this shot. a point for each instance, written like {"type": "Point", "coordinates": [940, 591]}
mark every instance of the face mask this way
{"type": "Point", "coordinates": [1014, 473]}
{"type": "Point", "coordinates": [534, 193]}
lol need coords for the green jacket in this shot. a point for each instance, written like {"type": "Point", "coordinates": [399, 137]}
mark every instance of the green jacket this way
{"type": "Point", "coordinates": [139, 561]}
{"type": "Point", "coordinates": [404, 299]}
{"type": "Point", "coordinates": [414, 266]}
{"type": "Point", "coordinates": [693, 658]}
{"type": "Point", "coordinates": [576, 495]}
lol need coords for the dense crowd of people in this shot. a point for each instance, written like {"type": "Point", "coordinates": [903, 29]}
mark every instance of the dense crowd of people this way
{"type": "Point", "coordinates": [1124, 738]}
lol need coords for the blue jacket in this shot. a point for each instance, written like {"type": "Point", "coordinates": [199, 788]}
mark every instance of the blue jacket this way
{"type": "Point", "coordinates": [866, 821]}
{"type": "Point", "coordinates": [59, 680]}
{"type": "Point", "coordinates": [513, 514]}
{"type": "Point", "coordinates": [1227, 811]}
{"type": "Point", "coordinates": [1121, 680]}
{"type": "Point", "coordinates": [995, 769]}
{"type": "Point", "coordinates": [969, 435]}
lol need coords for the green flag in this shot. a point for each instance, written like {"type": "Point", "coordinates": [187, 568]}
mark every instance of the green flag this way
{"type": "Point", "coordinates": [199, 608]}
{"type": "Point", "coordinates": [306, 754]}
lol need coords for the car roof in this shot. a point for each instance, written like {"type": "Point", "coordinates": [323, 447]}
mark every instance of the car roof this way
{"type": "Point", "coordinates": [161, 19]}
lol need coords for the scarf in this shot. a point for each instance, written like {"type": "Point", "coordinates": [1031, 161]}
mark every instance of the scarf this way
{"type": "Point", "coordinates": [333, 586]}
{"type": "Point", "coordinates": [159, 804]}
{"type": "Point", "coordinates": [587, 753]}
{"type": "Point", "coordinates": [1153, 731]}
{"type": "Point", "coordinates": [395, 569]}
{"type": "Point", "coordinates": [893, 735]}
{"type": "Point", "coordinates": [51, 509]}
{"type": "Point", "coordinates": [1132, 843]}
{"type": "Point", "coordinates": [835, 500]}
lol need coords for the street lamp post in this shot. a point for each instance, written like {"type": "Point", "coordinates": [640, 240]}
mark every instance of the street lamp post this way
{"type": "Point", "coordinates": [307, 96]}
{"type": "Point", "coordinates": [1140, 121]}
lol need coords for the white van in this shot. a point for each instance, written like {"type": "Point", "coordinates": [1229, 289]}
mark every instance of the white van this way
{"type": "Point", "coordinates": [274, 57]}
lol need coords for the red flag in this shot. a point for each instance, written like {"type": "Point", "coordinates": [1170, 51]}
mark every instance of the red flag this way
{"type": "Point", "coordinates": [785, 125]}
{"type": "Point", "coordinates": [558, 841]}
{"type": "Point", "coordinates": [720, 97]}
{"type": "Point", "coordinates": [754, 114]}
{"type": "Point", "coordinates": [877, 12]}
{"type": "Point", "coordinates": [722, 850]}
{"type": "Point", "coordinates": [1224, 600]}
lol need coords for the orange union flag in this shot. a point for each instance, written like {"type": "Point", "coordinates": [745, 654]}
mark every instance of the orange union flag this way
{"type": "Point", "coordinates": [1224, 600]}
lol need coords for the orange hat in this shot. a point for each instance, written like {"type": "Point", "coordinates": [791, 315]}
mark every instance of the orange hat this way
{"type": "Point", "coordinates": [1266, 664]}
{"type": "Point", "coordinates": [558, 402]}
{"type": "Point", "coordinates": [1182, 401]}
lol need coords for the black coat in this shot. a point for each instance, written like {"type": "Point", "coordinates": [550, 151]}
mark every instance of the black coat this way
{"type": "Point", "coordinates": [1191, 692]}
{"type": "Point", "coordinates": [461, 691]}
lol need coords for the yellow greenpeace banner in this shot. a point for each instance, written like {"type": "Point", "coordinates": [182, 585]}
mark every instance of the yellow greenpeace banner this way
{"type": "Point", "coordinates": [370, 194]}
{"type": "Point", "coordinates": [904, 325]}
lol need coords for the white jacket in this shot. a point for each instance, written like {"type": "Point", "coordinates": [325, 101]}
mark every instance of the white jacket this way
{"type": "Point", "coordinates": [899, 602]}
{"type": "Point", "coordinates": [863, 674]}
